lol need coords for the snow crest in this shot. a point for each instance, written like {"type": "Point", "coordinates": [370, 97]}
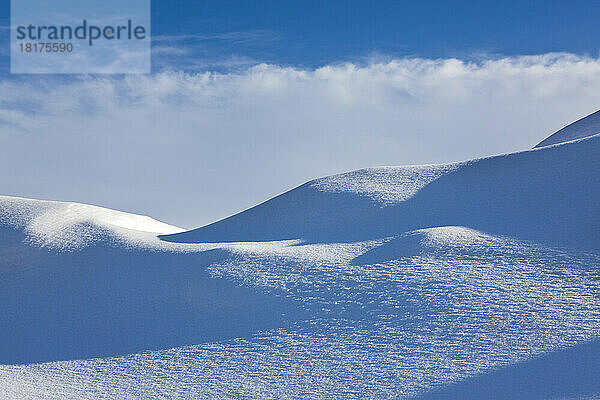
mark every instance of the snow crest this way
{"type": "Point", "coordinates": [386, 185]}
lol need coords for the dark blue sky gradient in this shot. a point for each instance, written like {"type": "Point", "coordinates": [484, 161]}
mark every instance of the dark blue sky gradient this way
{"type": "Point", "coordinates": [310, 33]}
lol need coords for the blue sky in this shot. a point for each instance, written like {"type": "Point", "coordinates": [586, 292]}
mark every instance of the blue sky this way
{"type": "Point", "coordinates": [247, 100]}
{"type": "Point", "coordinates": [311, 33]}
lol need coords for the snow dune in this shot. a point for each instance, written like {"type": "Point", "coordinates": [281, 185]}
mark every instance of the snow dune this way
{"type": "Point", "coordinates": [546, 194]}
{"type": "Point", "coordinates": [472, 280]}
{"type": "Point", "coordinates": [72, 225]}
{"type": "Point", "coordinates": [584, 127]}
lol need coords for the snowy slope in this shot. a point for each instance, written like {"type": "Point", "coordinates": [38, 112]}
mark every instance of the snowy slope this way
{"type": "Point", "coordinates": [473, 280]}
{"type": "Point", "coordinates": [547, 194]}
{"type": "Point", "coordinates": [72, 225]}
{"type": "Point", "coordinates": [584, 127]}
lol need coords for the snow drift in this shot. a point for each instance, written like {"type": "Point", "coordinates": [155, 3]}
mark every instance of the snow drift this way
{"type": "Point", "coordinates": [585, 127]}
{"type": "Point", "coordinates": [475, 280]}
{"type": "Point", "coordinates": [548, 194]}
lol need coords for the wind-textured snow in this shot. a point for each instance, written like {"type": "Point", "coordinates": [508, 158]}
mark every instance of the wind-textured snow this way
{"type": "Point", "coordinates": [386, 184]}
{"type": "Point", "coordinates": [474, 280]}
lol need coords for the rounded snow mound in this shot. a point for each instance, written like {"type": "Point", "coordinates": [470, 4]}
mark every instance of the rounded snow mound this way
{"type": "Point", "coordinates": [73, 225]}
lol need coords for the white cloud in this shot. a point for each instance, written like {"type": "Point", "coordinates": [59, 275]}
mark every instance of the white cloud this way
{"type": "Point", "coordinates": [188, 148]}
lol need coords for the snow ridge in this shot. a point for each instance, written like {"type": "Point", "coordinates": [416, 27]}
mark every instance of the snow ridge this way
{"type": "Point", "coordinates": [582, 128]}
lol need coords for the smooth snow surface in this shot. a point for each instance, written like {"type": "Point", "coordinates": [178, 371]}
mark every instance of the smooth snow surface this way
{"type": "Point", "coordinates": [72, 225]}
{"type": "Point", "coordinates": [474, 280]}
{"type": "Point", "coordinates": [584, 127]}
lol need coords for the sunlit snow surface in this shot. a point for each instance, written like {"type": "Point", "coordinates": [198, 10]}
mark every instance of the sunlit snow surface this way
{"type": "Point", "coordinates": [466, 303]}
{"type": "Point", "coordinates": [72, 225]}
{"type": "Point", "coordinates": [396, 316]}
{"type": "Point", "coordinates": [385, 184]}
